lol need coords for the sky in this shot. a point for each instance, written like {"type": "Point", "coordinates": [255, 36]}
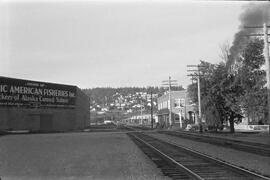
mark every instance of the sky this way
{"type": "Point", "coordinates": [112, 43]}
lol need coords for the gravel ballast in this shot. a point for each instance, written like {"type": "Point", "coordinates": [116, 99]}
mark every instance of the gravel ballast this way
{"type": "Point", "coordinates": [73, 156]}
{"type": "Point", "coordinates": [249, 161]}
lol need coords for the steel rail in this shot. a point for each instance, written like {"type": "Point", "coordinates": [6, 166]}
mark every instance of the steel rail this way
{"type": "Point", "coordinates": [171, 159]}
{"type": "Point", "coordinates": [214, 159]}
{"type": "Point", "coordinates": [204, 156]}
{"type": "Point", "coordinates": [249, 147]}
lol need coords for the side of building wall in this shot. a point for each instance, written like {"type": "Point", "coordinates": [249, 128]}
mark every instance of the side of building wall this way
{"type": "Point", "coordinates": [14, 118]}
{"type": "Point", "coordinates": [177, 111]}
{"type": "Point", "coordinates": [47, 119]}
{"type": "Point", "coordinates": [82, 108]}
{"type": "Point", "coordinates": [41, 106]}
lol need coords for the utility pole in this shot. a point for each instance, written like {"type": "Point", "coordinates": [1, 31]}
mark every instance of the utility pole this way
{"type": "Point", "coordinates": [169, 83]}
{"type": "Point", "coordinates": [266, 56]}
{"type": "Point", "coordinates": [267, 63]}
{"type": "Point", "coordinates": [199, 95]}
{"type": "Point", "coordinates": [89, 98]}
{"type": "Point", "coordinates": [141, 113]}
{"type": "Point", "coordinates": [152, 121]}
{"type": "Point", "coordinates": [198, 75]}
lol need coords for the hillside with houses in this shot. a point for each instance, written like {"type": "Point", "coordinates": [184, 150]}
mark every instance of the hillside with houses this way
{"type": "Point", "coordinates": [116, 103]}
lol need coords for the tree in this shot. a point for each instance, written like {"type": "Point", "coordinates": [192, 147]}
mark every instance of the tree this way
{"type": "Point", "coordinates": [210, 96]}
{"type": "Point", "coordinates": [233, 88]}
{"type": "Point", "coordinates": [219, 95]}
{"type": "Point", "coordinates": [253, 80]}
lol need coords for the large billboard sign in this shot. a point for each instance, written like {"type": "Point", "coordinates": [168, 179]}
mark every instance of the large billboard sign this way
{"type": "Point", "coordinates": [33, 94]}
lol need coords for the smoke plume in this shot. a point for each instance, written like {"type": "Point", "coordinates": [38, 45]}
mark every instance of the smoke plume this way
{"type": "Point", "coordinates": [254, 14]}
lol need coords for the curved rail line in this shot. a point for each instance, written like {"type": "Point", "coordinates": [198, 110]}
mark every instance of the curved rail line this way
{"type": "Point", "coordinates": [259, 149]}
{"type": "Point", "coordinates": [183, 163]}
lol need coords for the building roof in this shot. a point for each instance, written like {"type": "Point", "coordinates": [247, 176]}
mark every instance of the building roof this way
{"type": "Point", "coordinates": [174, 94]}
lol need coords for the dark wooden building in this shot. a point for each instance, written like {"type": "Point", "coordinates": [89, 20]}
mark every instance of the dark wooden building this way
{"type": "Point", "coordinates": [42, 106]}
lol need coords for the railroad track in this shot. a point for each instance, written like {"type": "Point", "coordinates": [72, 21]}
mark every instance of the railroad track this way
{"type": "Point", "coordinates": [135, 128]}
{"type": "Point", "coordinates": [257, 148]}
{"type": "Point", "coordinates": [182, 163]}
{"type": "Point", "coordinates": [139, 128]}
{"type": "Point", "coordinates": [119, 128]}
{"type": "Point", "coordinates": [125, 128]}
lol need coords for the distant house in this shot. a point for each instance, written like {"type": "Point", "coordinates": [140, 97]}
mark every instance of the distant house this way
{"type": "Point", "coordinates": [142, 119]}
{"type": "Point", "coordinates": [104, 109]}
{"type": "Point", "coordinates": [123, 104]}
{"type": "Point", "coordinates": [100, 112]}
{"type": "Point", "coordinates": [182, 110]}
{"type": "Point", "coordinates": [93, 109]}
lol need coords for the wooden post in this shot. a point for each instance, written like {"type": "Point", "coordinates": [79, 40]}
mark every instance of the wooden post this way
{"type": "Point", "coordinates": [152, 121]}
{"type": "Point", "coordinates": [199, 97]}
{"type": "Point", "coordinates": [170, 104]}
{"type": "Point", "coordinates": [267, 63]}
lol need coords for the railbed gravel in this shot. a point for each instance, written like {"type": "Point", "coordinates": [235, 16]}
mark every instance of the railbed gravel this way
{"type": "Point", "coordinates": [253, 162]}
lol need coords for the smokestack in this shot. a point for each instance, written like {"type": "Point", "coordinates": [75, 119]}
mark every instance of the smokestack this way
{"type": "Point", "coordinates": [254, 14]}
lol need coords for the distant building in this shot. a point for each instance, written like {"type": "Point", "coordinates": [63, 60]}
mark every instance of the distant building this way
{"type": "Point", "coordinates": [42, 106]}
{"type": "Point", "coordinates": [104, 109]}
{"type": "Point", "coordinates": [129, 111]}
{"type": "Point", "coordinates": [141, 119]}
{"type": "Point", "coordinates": [183, 111]}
